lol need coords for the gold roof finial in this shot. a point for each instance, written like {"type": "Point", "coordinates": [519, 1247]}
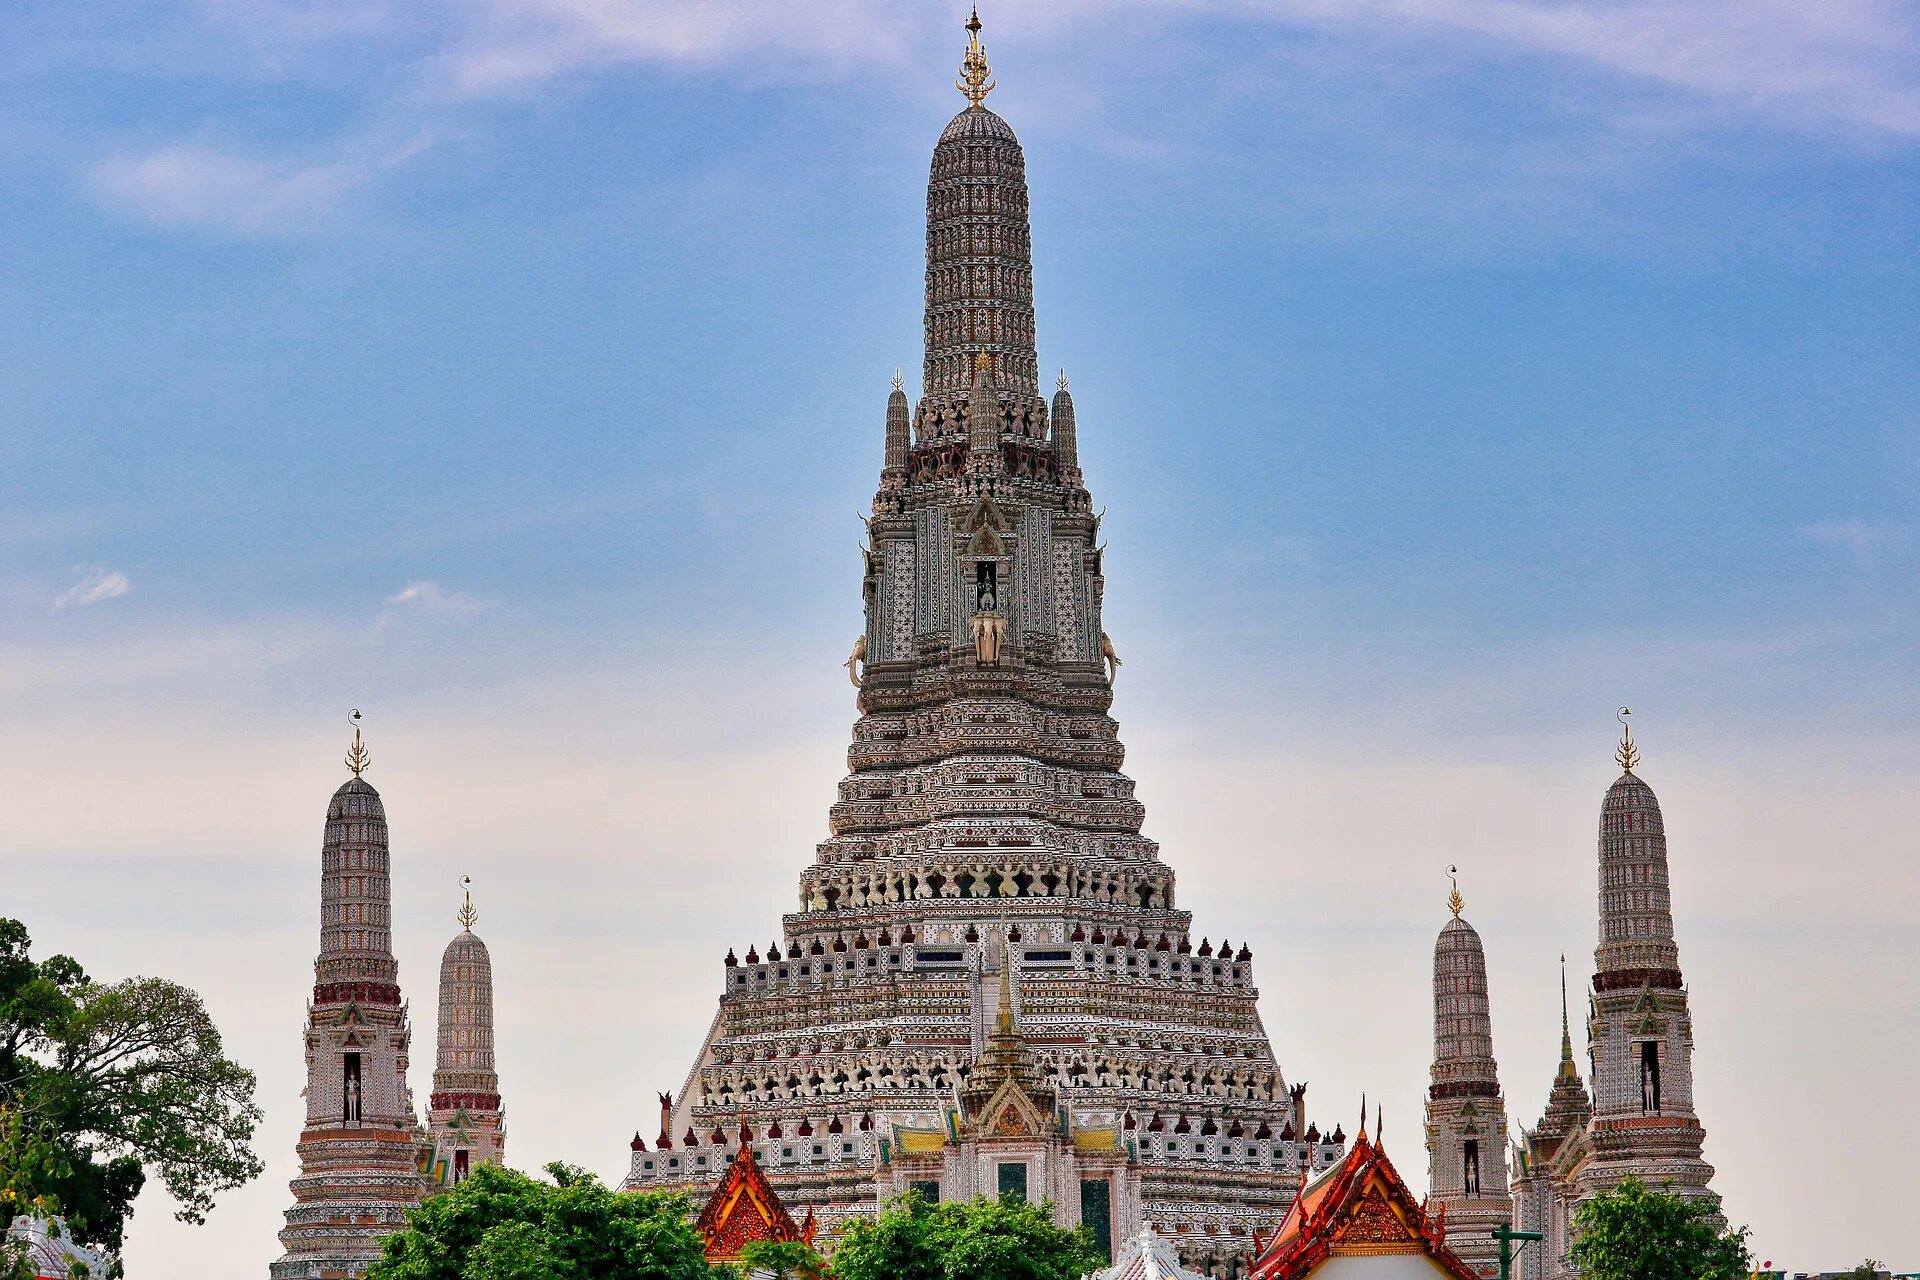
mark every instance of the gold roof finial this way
{"type": "Point", "coordinates": [357, 759]}
{"type": "Point", "coordinates": [1454, 899]}
{"type": "Point", "coordinates": [976, 77]}
{"type": "Point", "coordinates": [1627, 755]}
{"type": "Point", "coordinates": [468, 917]}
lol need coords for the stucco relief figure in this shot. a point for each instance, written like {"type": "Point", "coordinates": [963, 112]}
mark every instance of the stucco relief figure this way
{"type": "Point", "coordinates": [857, 658]}
{"type": "Point", "coordinates": [989, 633]}
{"type": "Point", "coordinates": [1113, 659]}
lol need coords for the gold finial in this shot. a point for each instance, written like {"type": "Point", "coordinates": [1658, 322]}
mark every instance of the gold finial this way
{"type": "Point", "coordinates": [1454, 899]}
{"type": "Point", "coordinates": [468, 917]}
{"type": "Point", "coordinates": [357, 759]}
{"type": "Point", "coordinates": [976, 78]}
{"type": "Point", "coordinates": [1627, 755]}
{"type": "Point", "coordinates": [983, 362]}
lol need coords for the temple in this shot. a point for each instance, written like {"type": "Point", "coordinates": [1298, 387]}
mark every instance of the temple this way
{"type": "Point", "coordinates": [361, 1149]}
{"type": "Point", "coordinates": [985, 833]}
{"type": "Point", "coordinates": [1358, 1221]}
{"type": "Point", "coordinates": [744, 1209]}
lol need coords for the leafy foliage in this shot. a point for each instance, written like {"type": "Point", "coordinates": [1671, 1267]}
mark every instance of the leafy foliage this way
{"type": "Point", "coordinates": [1004, 1239]}
{"type": "Point", "coordinates": [503, 1225]}
{"type": "Point", "coordinates": [1870, 1269]}
{"type": "Point", "coordinates": [1635, 1233]}
{"type": "Point", "coordinates": [105, 1082]}
{"type": "Point", "coordinates": [784, 1259]}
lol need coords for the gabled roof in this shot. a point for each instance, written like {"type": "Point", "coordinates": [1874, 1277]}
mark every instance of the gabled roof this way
{"type": "Point", "coordinates": [1359, 1206]}
{"type": "Point", "coordinates": [745, 1208]}
{"type": "Point", "coordinates": [1146, 1257]}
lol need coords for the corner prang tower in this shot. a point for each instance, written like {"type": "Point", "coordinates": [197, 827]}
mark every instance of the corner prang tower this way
{"type": "Point", "coordinates": [1639, 1031]}
{"type": "Point", "coordinates": [464, 1115]}
{"type": "Point", "coordinates": [360, 1148]}
{"type": "Point", "coordinates": [1466, 1115]}
{"type": "Point", "coordinates": [984, 812]}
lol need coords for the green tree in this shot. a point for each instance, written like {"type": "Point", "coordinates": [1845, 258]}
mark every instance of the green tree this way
{"type": "Point", "coordinates": [784, 1260]}
{"type": "Point", "coordinates": [1867, 1270]}
{"type": "Point", "coordinates": [503, 1225]}
{"type": "Point", "coordinates": [1636, 1233]}
{"type": "Point", "coordinates": [113, 1080]}
{"type": "Point", "coordinates": [1004, 1239]}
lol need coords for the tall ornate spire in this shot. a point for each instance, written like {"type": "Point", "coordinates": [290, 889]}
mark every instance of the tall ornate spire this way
{"type": "Point", "coordinates": [979, 252]}
{"type": "Point", "coordinates": [1640, 1030]}
{"type": "Point", "coordinates": [464, 1114]}
{"type": "Point", "coordinates": [1466, 1115]}
{"type": "Point", "coordinates": [1636, 911]}
{"type": "Point", "coordinates": [893, 475]}
{"type": "Point", "coordinates": [358, 1167]}
{"type": "Point", "coordinates": [1066, 436]}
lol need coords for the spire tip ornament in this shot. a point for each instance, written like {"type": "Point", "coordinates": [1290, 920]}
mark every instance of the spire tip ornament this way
{"type": "Point", "coordinates": [899, 383]}
{"type": "Point", "coordinates": [1627, 756]}
{"type": "Point", "coordinates": [976, 77]}
{"type": "Point", "coordinates": [1454, 900]}
{"type": "Point", "coordinates": [358, 757]}
{"type": "Point", "coordinates": [468, 917]}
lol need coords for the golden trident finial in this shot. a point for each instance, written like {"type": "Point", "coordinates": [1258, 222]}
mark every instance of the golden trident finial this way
{"type": "Point", "coordinates": [468, 917]}
{"type": "Point", "coordinates": [976, 77]}
{"type": "Point", "coordinates": [357, 759]}
{"type": "Point", "coordinates": [1454, 899]}
{"type": "Point", "coordinates": [1628, 755]}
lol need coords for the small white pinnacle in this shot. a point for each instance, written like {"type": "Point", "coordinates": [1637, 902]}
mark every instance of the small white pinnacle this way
{"type": "Point", "coordinates": [1063, 380]}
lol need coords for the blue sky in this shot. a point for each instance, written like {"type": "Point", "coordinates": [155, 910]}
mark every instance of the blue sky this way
{"type": "Point", "coordinates": [1451, 373]}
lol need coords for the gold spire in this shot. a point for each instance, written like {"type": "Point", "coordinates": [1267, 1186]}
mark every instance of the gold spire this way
{"type": "Point", "coordinates": [976, 77]}
{"type": "Point", "coordinates": [357, 758]}
{"type": "Point", "coordinates": [468, 917]}
{"type": "Point", "coordinates": [1627, 755]}
{"type": "Point", "coordinates": [1454, 900]}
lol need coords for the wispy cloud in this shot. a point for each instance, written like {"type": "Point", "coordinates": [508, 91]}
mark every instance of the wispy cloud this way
{"type": "Point", "coordinates": [95, 586]}
{"type": "Point", "coordinates": [434, 602]}
{"type": "Point", "coordinates": [1859, 537]}
{"type": "Point", "coordinates": [194, 186]}
{"type": "Point", "coordinates": [1849, 60]}
{"type": "Point", "coordinates": [1846, 60]}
